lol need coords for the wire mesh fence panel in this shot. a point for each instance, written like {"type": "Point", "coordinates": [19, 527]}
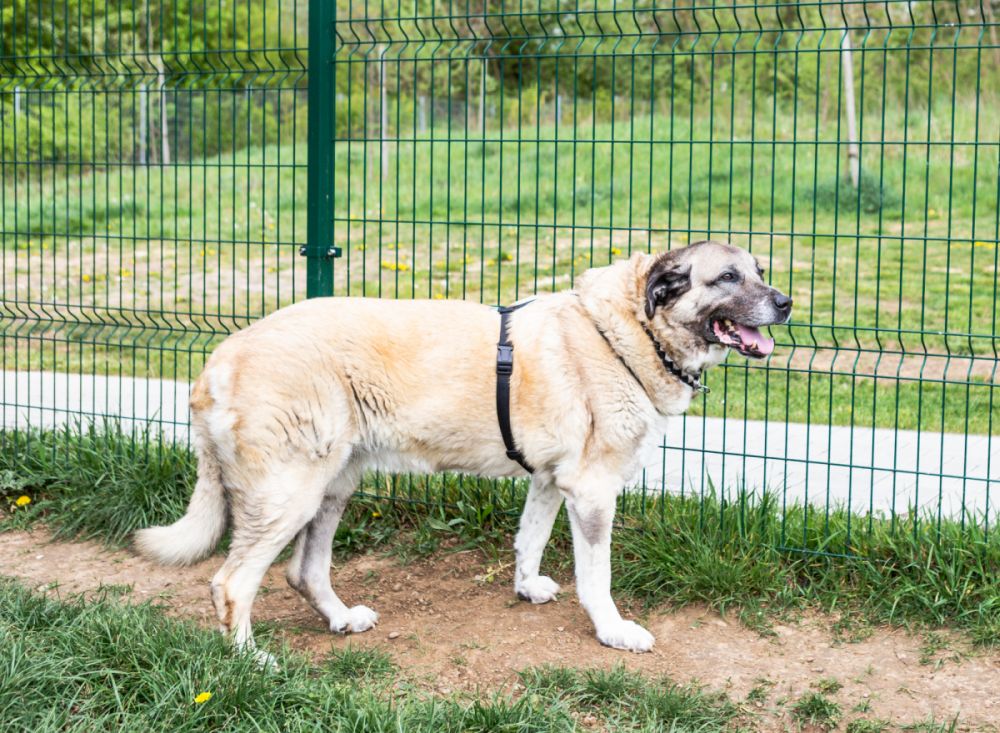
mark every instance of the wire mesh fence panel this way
{"type": "Point", "coordinates": [154, 200]}
{"type": "Point", "coordinates": [153, 162]}
{"type": "Point", "coordinates": [494, 150]}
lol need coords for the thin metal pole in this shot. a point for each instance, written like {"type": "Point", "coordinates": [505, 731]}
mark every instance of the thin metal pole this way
{"type": "Point", "coordinates": [853, 155]}
{"type": "Point", "coordinates": [143, 123]}
{"type": "Point", "coordinates": [384, 116]}
{"type": "Point", "coordinates": [482, 99]}
{"type": "Point", "coordinates": [319, 249]}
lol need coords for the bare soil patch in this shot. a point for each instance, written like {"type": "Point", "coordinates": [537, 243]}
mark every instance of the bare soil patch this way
{"type": "Point", "coordinates": [452, 624]}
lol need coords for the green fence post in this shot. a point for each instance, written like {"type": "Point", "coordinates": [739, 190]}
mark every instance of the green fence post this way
{"type": "Point", "coordinates": [319, 248]}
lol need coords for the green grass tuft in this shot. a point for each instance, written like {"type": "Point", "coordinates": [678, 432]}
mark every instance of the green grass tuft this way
{"type": "Point", "coordinates": [867, 725]}
{"type": "Point", "coordinates": [817, 710]}
{"type": "Point", "coordinates": [362, 664]}
{"type": "Point", "coordinates": [96, 481]}
{"type": "Point", "coordinates": [627, 700]}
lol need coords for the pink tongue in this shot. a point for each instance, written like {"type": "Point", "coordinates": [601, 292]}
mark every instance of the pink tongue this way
{"type": "Point", "coordinates": [750, 335]}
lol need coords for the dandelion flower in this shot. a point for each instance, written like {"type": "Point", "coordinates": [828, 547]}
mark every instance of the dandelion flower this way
{"type": "Point", "coordinates": [376, 514]}
{"type": "Point", "coordinates": [202, 697]}
{"type": "Point", "coordinates": [616, 251]}
{"type": "Point", "coordinates": [23, 500]}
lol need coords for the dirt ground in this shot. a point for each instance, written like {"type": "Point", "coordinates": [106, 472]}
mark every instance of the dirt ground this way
{"type": "Point", "coordinates": [453, 624]}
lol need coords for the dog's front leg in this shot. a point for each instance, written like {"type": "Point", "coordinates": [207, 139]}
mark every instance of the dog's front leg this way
{"type": "Point", "coordinates": [591, 517]}
{"type": "Point", "coordinates": [540, 510]}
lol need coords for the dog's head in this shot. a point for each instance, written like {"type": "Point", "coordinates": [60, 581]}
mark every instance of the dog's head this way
{"type": "Point", "coordinates": [710, 297]}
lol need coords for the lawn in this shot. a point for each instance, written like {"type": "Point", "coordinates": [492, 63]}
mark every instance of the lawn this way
{"type": "Point", "coordinates": [141, 270]}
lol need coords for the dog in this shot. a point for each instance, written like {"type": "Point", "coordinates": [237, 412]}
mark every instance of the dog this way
{"type": "Point", "coordinates": [289, 413]}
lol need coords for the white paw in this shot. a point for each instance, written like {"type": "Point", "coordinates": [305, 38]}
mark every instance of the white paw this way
{"type": "Point", "coordinates": [354, 620]}
{"type": "Point", "coordinates": [264, 661]}
{"type": "Point", "coordinates": [627, 635]}
{"type": "Point", "coordinates": [539, 589]}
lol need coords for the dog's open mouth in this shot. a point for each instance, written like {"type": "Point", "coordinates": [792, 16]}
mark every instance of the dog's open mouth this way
{"type": "Point", "coordinates": [747, 340]}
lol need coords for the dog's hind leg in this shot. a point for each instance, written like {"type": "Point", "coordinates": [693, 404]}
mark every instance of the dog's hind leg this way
{"type": "Point", "coordinates": [265, 517]}
{"type": "Point", "coordinates": [540, 509]}
{"type": "Point", "coordinates": [309, 569]}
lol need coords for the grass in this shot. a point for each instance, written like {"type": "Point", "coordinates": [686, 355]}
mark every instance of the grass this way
{"type": "Point", "coordinates": [98, 664]}
{"type": "Point", "coordinates": [815, 709]}
{"type": "Point", "coordinates": [127, 270]}
{"type": "Point", "coordinates": [360, 664]}
{"type": "Point", "coordinates": [625, 700]}
{"type": "Point", "coordinates": [867, 725]}
{"type": "Point", "coordinates": [742, 553]}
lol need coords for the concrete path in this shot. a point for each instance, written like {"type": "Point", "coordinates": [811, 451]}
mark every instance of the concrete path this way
{"type": "Point", "coordinates": [878, 470]}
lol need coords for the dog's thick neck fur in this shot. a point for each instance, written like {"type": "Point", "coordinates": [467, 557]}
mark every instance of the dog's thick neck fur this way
{"type": "Point", "coordinates": [602, 292]}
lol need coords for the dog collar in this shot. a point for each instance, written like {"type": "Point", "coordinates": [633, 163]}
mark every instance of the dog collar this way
{"type": "Point", "coordinates": [690, 380]}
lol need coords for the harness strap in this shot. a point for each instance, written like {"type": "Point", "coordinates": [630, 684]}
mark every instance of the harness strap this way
{"type": "Point", "coordinates": [505, 367]}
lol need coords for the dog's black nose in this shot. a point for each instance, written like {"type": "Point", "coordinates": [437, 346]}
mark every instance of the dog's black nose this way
{"type": "Point", "coordinates": [781, 301]}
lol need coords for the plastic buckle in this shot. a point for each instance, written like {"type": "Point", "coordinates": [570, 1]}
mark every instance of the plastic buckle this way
{"type": "Point", "coordinates": [505, 359]}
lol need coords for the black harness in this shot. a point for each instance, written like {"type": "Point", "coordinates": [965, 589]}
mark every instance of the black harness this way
{"type": "Point", "coordinates": [505, 367]}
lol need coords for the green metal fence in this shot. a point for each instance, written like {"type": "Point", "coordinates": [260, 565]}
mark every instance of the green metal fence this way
{"type": "Point", "coordinates": [156, 163]}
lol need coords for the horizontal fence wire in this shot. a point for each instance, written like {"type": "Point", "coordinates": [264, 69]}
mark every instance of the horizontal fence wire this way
{"type": "Point", "coordinates": [155, 160]}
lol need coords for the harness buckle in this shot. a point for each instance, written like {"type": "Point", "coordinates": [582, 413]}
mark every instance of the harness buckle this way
{"type": "Point", "coordinates": [505, 359]}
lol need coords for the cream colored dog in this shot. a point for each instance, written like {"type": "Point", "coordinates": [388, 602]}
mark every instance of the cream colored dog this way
{"type": "Point", "coordinates": [290, 412]}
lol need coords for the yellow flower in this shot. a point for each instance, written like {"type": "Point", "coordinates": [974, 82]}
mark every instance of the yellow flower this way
{"type": "Point", "coordinates": [203, 697]}
{"type": "Point", "coordinates": [23, 500]}
{"type": "Point", "coordinates": [616, 251]}
{"type": "Point", "coordinates": [126, 273]}
{"type": "Point", "coordinates": [438, 296]}
{"type": "Point", "coordinates": [86, 278]}
{"type": "Point", "coordinates": [376, 514]}
{"type": "Point", "coordinates": [985, 244]}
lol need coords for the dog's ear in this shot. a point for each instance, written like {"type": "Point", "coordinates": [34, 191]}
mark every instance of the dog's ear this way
{"type": "Point", "coordinates": [668, 280]}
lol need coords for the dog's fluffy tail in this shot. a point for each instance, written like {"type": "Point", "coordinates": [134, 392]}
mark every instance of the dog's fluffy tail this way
{"type": "Point", "coordinates": [197, 533]}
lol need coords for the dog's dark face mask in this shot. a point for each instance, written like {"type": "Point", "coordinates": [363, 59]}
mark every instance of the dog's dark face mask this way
{"type": "Point", "coordinates": [713, 295]}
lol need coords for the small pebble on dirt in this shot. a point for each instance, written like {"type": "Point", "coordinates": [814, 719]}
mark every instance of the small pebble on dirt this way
{"type": "Point", "coordinates": [397, 587]}
{"type": "Point", "coordinates": [393, 635]}
{"type": "Point", "coordinates": [560, 628]}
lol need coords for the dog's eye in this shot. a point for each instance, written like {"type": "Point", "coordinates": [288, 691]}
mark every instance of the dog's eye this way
{"type": "Point", "coordinates": [727, 277]}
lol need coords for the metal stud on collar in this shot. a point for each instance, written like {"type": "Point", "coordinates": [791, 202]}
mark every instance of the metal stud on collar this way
{"type": "Point", "coordinates": [691, 381]}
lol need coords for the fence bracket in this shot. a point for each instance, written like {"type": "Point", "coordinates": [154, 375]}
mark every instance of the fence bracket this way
{"type": "Point", "coordinates": [324, 252]}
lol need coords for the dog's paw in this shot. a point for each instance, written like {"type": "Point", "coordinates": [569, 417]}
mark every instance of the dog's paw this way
{"type": "Point", "coordinates": [354, 620]}
{"type": "Point", "coordinates": [539, 589]}
{"type": "Point", "coordinates": [265, 661]}
{"type": "Point", "coordinates": [627, 635]}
